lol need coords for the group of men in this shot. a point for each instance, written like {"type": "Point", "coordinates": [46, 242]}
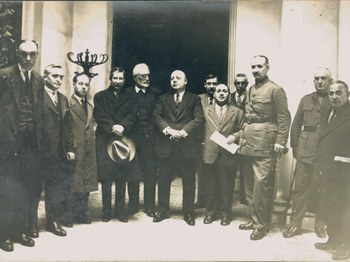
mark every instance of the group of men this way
{"type": "Point", "coordinates": [50, 140]}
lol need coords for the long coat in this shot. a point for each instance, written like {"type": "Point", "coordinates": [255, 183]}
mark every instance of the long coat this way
{"type": "Point", "coordinates": [85, 169]}
{"type": "Point", "coordinates": [189, 118]}
{"type": "Point", "coordinates": [110, 110]}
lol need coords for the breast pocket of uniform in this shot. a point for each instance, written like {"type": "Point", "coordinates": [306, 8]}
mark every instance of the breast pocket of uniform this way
{"type": "Point", "coordinates": [307, 144]}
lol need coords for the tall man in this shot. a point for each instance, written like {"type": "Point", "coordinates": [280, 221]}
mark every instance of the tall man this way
{"type": "Point", "coordinates": [304, 134]}
{"type": "Point", "coordinates": [219, 164]}
{"type": "Point", "coordinates": [207, 98]}
{"type": "Point", "coordinates": [115, 116]}
{"type": "Point", "coordinates": [20, 182]}
{"type": "Point", "coordinates": [57, 149]}
{"type": "Point", "coordinates": [84, 179]}
{"type": "Point", "coordinates": [263, 139]}
{"type": "Point", "coordinates": [333, 166]}
{"type": "Point", "coordinates": [179, 116]}
{"type": "Point", "coordinates": [144, 98]}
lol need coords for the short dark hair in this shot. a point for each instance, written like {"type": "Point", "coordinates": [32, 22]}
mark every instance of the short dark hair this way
{"type": "Point", "coordinates": [48, 68]}
{"type": "Point", "coordinates": [75, 78]}
{"type": "Point", "coordinates": [263, 56]}
{"type": "Point", "coordinates": [340, 82]}
{"type": "Point", "coordinates": [116, 69]}
{"type": "Point", "coordinates": [25, 41]}
{"type": "Point", "coordinates": [210, 76]}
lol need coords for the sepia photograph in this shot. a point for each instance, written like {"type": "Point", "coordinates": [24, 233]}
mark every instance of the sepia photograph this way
{"type": "Point", "coordinates": [175, 130]}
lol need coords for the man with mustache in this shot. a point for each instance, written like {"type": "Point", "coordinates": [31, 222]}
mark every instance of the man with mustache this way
{"type": "Point", "coordinates": [263, 140]}
{"type": "Point", "coordinates": [179, 116]}
{"type": "Point", "coordinates": [219, 164]}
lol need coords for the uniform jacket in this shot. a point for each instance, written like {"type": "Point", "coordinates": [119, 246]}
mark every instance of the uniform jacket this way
{"type": "Point", "coordinates": [234, 102]}
{"type": "Point", "coordinates": [11, 83]}
{"type": "Point", "coordinates": [56, 129]}
{"type": "Point", "coordinates": [110, 110]}
{"type": "Point", "coordinates": [308, 115]}
{"type": "Point", "coordinates": [189, 118]}
{"type": "Point", "coordinates": [230, 124]}
{"type": "Point", "coordinates": [265, 99]}
{"type": "Point", "coordinates": [85, 168]}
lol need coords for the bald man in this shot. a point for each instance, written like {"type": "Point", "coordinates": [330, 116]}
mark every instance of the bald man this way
{"type": "Point", "coordinates": [304, 133]}
{"type": "Point", "coordinates": [179, 117]}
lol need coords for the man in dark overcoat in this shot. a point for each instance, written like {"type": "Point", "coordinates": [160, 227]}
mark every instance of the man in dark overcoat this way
{"type": "Point", "coordinates": [333, 166]}
{"type": "Point", "coordinates": [115, 116]}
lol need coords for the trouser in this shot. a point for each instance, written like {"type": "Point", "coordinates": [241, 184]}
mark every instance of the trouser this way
{"type": "Point", "coordinates": [79, 205]}
{"type": "Point", "coordinates": [219, 189]}
{"type": "Point", "coordinates": [202, 183]}
{"type": "Point", "coordinates": [259, 186]}
{"type": "Point", "coordinates": [240, 169]}
{"type": "Point", "coordinates": [303, 188]}
{"type": "Point", "coordinates": [177, 164]}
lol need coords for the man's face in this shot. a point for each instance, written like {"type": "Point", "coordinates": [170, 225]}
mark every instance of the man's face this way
{"type": "Point", "coordinates": [241, 84]}
{"type": "Point", "coordinates": [178, 80]}
{"type": "Point", "coordinates": [82, 85]}
{"type": "Point", "coordinates": [210, 85]}
{"type": "Point", "coordinates": [338, 95]}
{"type": "Point", "coordinates": [54, 79]}
{"type": "Point", "coordinates": [118, 80]}
{"type": "Point", "coordinates": [259, 67]}
{"type": "Point", "coordinates": [322, 81]}
{"type": "Point", "coordinates": [142, 77]}
{"type": "Point", "coordinates": [27, 54]}
{"type": "Point", "coordinates": [221, 94]}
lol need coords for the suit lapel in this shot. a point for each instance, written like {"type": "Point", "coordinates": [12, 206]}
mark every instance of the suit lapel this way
{"type": "Point", "coordinates": [184, 102]}
{"type": "Point", "coordinates": [171, 102]}
{"type": "Point", "coordinates": [78, 109]}
{"type": "Point", "coordinates": [49, 103]}
{"type": "Point", "coordinates": [16, 82]}
{"type": "Point", "coordinates": [227, 116]}
{"type": "Point", "coordinates": [340, 119]}
{"type": "Point", "coordinates": [37, 84]}
{"type": "Point", "coordinates": [89, 113]}
{"type": "Point", "coordinates": [213, 116]}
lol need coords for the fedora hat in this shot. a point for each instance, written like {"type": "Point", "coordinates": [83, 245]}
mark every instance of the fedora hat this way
{"type": "Point", "coordinates": [121, 149]}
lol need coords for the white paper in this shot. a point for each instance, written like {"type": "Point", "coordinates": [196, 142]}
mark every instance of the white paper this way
{"type": "Point", "coordinates": [342, 159]}
{"type": "Point", "coordinates": [221, 141]}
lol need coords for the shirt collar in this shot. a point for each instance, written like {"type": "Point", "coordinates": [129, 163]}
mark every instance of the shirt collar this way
{"type": "Point", "coordinates": [21, 71]}
{"type": "Point", "coordinates": [51, 92]}
{"type": "Point", "coordinates": [137, 89]}
{"type": "Point", "coordinates": [80, 99]}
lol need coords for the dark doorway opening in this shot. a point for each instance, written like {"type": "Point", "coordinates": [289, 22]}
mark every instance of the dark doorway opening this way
{"type": "Point", "coordinates": [167, 35]}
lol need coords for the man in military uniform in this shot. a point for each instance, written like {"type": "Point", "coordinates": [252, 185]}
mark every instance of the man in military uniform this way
{"type": "Point", "coordinates": [263, 139]}
{"type": "Point", "coordinates": [304, 134]}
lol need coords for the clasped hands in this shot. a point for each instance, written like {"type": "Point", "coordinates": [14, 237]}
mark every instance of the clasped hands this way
{"type": "Point", "coordinates": [176, 134]}
{"type": "Point", "coordinates": [118, 130]}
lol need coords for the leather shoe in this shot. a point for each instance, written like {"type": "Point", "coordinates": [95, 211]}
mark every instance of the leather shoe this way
{"type": "Point", "coordinates": [189, 218]}
{"type": "Point", "coordinates": [257, 234]}
{"type": "Point", "coordinates": [324, 246]}
{"type": "Point", "coordinates": [106, 218]}
{"type": "Point", "coordinates": [247, 226]}
{"type": "Point", "coordinates": [150, 212]}
{"type": "Point", "coordinates": [199, 205]}
{"type": "Point", "coordinates": [7, 245]}
{"type": "Point", "coordinates": [341, 254]}
{"type": "Point", "coordinates": [291, 232]}
{"type": "Point", "coordinates": [160, 216]}
{"type": "Point", "coordinates": [208, 219]}
{"type": "Point", "coordinates": [225, 221]}
{"type": "Point", "coordinates": [321, 232]}
{"type": "Point", "coordinates": [34, 232]}
{"type": "Point", "coordinates": [25, 240]}
{"type": "Point", "coordinates": [122, 217]}
{"type": "Point", "coordinates": [55, 228]}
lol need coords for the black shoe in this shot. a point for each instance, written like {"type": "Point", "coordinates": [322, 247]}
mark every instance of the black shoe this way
{"type": "Point", "coordinates": [122, 217]}
{"type": "Point", "coordinates": [55, 228]}
{"type": "Point", "coordinates": [106, 217]}
{"type": "Point", "coordinates": [6, 245]}
{"type": "Point", "coordinates": [324, 246]}
{"type": "Point", "coordinates": [83, 220]}
{"type": "Point", "coordinates": [189, 218]}
{"type": "Point", "coordinates": [160, 216]}
{"type": "Point", "coordinates": [291, 232]}
{"type": "Point", "coordinates": [225, 221]}
{"type": "Point", "coordinates": [199, 205]}
{"type": "Point", "coordinates": [247, 226]}
{"type": "Point", "coordinates": [149, 212]}
{"type": "Point", "coordinates": [34, 232]}
{"type": "Point", "coordinates": [341, 254]}
{"type": "Point", "coordinates": [208, 219]}
{"type": "Point", "coordinates": [321, 231]}
{"type": "Point", "coordinates": [25, 240]}
{"type": "Point", "coordinates": [258, 233]}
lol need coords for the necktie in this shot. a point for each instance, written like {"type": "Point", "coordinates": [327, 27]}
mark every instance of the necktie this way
{"type": "Point", "coordinates": [177, 101]}
{"type": "Point", "coordinates": [239, 100]}
{"type": "Point", "coordinates": [54, 97]}
{"type": "Point", "coordinates": [83, 103]}
{"type": "Point", "coordinates": [26, 79]}
{"type": "Point", "coordinates": [331, 118]}
{"type": "Point", "coordinates": [221, 111]}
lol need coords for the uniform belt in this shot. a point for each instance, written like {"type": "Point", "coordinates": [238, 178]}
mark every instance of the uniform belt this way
{"type": "Point", "coordinates": [310, 128]}
{"type": "Point", "coordinates": [250, 119]}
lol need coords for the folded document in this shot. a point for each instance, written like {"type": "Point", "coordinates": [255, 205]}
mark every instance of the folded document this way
{"type": "Point", "coordinates": [342, 159]}
{"type": "Point", "coordinates": [221, 141]}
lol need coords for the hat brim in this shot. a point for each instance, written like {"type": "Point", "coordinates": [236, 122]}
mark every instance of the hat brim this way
{"type": "Point", "coordinates": [121, 150]}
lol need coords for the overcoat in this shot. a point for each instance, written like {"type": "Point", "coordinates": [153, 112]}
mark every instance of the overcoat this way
{"type": "Point", "coordinates": [85, 168]}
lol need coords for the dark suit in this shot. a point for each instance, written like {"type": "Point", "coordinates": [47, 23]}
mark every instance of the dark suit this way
{"type": "Point", "coordinates": [333, 143]}
{"type": "Point", "coordinates": [20, 181]}
{"type": "Point", "coordinates": [143, 135]}
{"type": "Point", "coordinates": [220, 165]}
{"type": "Point", "coordinates": [110, 110]}
{"type": "Point", "coordinates": [56, 142]}
{"type": "Point", "coordinates": [178, 157]}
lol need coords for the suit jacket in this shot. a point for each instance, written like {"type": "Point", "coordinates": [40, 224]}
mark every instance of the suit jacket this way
{"type": "Point", "coordinates": [230, 124]}
{"type": "Point", "coordinates": [110, 110]}
{"type": "Point", "coordinates": [189, 118]}
{"type": "Point", "coordinates": [83, 124]}
{"type": "Point", "coordinates": [11, 83]}
{"type": "Point", "coordinates": [204, 100]}
{"type": "Point", "coordinates": [56, 129]}
{"type": "Point", "coordinates": [234, 102]}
